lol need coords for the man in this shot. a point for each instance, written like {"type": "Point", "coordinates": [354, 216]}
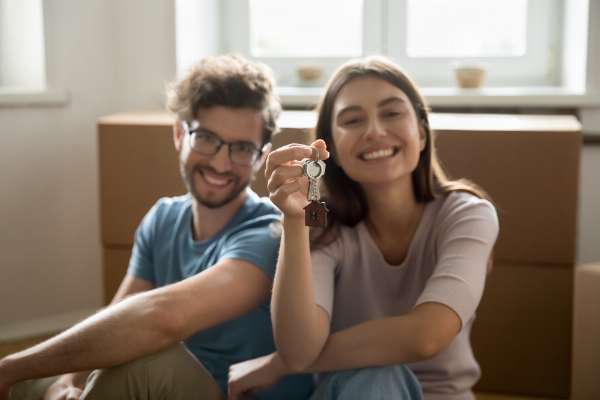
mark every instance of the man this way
{"type": "Point", "coordinates": [201, 266]}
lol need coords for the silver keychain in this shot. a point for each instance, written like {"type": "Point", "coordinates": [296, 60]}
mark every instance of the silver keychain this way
{"type": "Point", "coordinates": [315, 213]}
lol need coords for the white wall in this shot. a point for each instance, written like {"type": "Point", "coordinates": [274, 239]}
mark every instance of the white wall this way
{"type": "Point", "coordinates": [110, 56]}
{"type": "Point", "coordinates": [21, 44]}
{"type": "Point", "coordinates": [589, 206]}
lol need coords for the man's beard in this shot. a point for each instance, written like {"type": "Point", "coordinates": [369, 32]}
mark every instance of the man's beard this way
{"type": "Point", "coordinates": [188, 178]}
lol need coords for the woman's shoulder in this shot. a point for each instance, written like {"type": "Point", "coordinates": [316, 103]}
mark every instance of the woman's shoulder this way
{"type": "Point", "coordinates": [464, 207]}
{"type": "Point", "coordinates": [464, 202]}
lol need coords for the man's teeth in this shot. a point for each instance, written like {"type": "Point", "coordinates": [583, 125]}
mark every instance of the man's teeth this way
{"type": "Point", "coordinates": [378, 154]}
{"type": "Point", "coordinates": [215, 181]}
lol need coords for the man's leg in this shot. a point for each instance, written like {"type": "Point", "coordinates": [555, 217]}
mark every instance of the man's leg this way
{"type": "Point", "coordinates": [393, 382]}
{"type": "Point", "coordinates": [173, 374]}
{"type": "Point", "coordinates": [31, 390]}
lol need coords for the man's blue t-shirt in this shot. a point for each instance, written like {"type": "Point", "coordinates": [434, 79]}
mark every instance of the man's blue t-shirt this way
{"type": "Point", "coordinates": [165, 252]}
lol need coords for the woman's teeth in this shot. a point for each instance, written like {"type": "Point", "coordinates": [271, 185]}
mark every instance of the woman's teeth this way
{"type": "Point", "coordinates": [373, 155]}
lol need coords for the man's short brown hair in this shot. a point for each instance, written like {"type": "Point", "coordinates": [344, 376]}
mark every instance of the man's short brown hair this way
{"type": "Point", "coordinates": [229, 81]}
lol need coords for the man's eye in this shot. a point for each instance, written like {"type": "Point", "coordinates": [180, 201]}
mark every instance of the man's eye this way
{"type": "Point", "coordinates": [207, 137]}
{"type": "Point", "coordinates": [245, 147]}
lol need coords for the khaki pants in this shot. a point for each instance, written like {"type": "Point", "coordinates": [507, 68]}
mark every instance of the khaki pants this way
{"type": "Point", "coordinates": [173, 374]}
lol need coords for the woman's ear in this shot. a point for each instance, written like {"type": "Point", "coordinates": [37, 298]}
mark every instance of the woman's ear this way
{"type": "Point", "coordinates": [178, 133]}
{"type": "Point", "coordinates": [422, 137]}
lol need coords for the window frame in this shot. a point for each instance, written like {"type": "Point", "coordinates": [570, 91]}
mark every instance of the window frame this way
{"type": "Point", "coordinates": [545, 31]}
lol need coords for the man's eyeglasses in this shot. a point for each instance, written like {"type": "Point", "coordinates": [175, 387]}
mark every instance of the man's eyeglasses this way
{"type": "Point", "coordinates": [207, 143]}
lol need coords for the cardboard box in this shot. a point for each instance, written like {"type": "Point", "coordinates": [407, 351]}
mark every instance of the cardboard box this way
{"type": "Point", "coordinates": [115, 260]}
{"type": "Point", "coordinates": [522, 334]}
{"type": "Point", "coordinates": [138, 164]}
{"type": "Point", "coordinates": [532, 175]}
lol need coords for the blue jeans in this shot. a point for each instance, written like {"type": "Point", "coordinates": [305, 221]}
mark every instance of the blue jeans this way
{"type": "Point", "coordinates": [394, 382]}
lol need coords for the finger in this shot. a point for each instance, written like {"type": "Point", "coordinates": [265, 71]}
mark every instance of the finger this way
{"type": "Point", "coordinates": [285, 154]}
{"type": "Point", "coordinates": [282, 174]}
{"type": "Point", "coordinates": [285, 190]}
{"type": "Point", "coordinates": [321, 147]}
{"type": "Point", "coordinates": [74, 394]}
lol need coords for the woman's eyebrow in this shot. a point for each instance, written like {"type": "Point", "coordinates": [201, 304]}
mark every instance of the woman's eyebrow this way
{"type": "Point", "coordinates": [348, 109]}
{"type": "Point", "coordinates": [390, 100]}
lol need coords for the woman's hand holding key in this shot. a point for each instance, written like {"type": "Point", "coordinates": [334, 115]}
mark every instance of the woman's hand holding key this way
{"type": "Point", "coordinates": [286, 182]}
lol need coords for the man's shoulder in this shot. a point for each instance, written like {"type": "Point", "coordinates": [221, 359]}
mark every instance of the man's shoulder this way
{"type": "Point", "coordinates": [259, 218]}
{"type": "Point", "coordinates": [259, 210]}
{"type": "Point", "coordinates": [167, 210]}
{"type": "Point", "coordinates": [172, 204]}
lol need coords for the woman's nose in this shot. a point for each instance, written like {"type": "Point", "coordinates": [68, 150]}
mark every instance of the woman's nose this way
{"type": "Point", "coordinates": [375, 128]}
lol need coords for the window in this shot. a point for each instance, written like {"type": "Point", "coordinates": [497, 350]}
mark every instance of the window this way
{"type": "Point", "coordinates": [22, 56]}
{"type": "Point", "coordinates": [300, 32]}
{"type": "Point", "coordinates": [517, 41]}
{"type": "Point", "coordinates": [288, 34]}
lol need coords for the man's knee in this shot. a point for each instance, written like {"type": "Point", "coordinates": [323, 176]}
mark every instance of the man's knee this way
{"type": "Point", "coordinates": [32, 389]}
{"type": "Point", "coordinates": [170, 373]}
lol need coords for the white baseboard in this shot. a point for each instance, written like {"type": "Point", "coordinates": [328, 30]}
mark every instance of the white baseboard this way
{"type": "Point", "coordinates": [42, 326]}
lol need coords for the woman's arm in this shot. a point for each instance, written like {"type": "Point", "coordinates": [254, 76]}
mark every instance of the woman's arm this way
{"type": "Point", "coordinates": [415, 336]}
{"type": "Point", "coordinates": [300, 326]}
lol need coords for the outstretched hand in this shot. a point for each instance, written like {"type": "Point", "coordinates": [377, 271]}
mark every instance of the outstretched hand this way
{"type": "Point", "coordinates": [249, 376]}
{"type": "Point", "coordinates": [62, 391]}
{"type": "Point", "coordinates": [286, 183]}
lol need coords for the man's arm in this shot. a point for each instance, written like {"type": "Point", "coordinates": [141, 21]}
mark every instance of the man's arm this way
{"type": "Point", "coordinates": [129, 286]}
{"type": "Point", "coordinates": [144, 323]}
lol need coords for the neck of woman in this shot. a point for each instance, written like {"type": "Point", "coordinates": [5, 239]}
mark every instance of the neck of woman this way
{"type": "Point", "coordinates": [393, 209]}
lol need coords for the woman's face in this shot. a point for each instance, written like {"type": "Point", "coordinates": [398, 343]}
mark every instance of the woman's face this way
{"type": "Point", "coordinates": [376, 136]}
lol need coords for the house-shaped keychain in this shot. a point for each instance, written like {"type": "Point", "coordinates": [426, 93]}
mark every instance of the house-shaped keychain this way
{"type": "Point", "coordinates": [315, 214]}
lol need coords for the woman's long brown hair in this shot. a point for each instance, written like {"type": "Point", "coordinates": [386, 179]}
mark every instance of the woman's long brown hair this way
{"type": "Point", "coordinates": [345, 198]}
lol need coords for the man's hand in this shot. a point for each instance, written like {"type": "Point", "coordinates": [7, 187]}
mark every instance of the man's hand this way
{"type": "Point", "coordinates": [256, 374]}
{"type": "Point", "coordinates": [61, 390]}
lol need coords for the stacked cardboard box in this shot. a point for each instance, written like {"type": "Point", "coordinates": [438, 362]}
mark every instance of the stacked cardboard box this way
{"type": "Point", "coordinates": [530, 167]}
{"type": "Point", "coordinates": [528, 164]}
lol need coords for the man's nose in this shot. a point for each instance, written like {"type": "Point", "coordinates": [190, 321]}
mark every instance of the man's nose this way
{"type": "Point", "coordinates": [221, 161]}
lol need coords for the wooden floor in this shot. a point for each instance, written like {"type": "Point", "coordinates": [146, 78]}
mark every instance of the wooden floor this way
{"type": "Point", "coordinates": [492, 396]}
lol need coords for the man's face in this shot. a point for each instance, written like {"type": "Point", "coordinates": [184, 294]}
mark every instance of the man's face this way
{"type": "Point", "coordinates": [214, 180]}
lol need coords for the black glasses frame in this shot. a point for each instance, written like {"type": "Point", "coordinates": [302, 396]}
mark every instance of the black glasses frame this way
{"type": "Point", "coordinates": [196, 129]}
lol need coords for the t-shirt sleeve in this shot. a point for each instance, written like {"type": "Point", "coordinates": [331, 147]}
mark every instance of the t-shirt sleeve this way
{"type": "Point", "coordinates": [467, 235]}
{"type": "Point", "coordinates": [141, 263]}
{"type": "Point", "coordinates": [324, 262]}
{"type": "Point", "coordinates": [258, 246]}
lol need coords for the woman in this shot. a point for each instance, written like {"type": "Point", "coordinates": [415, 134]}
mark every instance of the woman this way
{"type": "Point", "coordinates": [395, 278]}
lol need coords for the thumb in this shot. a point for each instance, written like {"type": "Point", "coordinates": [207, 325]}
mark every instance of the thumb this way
{"type": "Point", "coordinates": [321, 147]}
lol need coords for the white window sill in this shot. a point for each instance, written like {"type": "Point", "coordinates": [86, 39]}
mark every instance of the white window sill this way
{"type": "Point", "coordinates": [454, 97]}
{"type": "Point", "coordinates": [13, 98]}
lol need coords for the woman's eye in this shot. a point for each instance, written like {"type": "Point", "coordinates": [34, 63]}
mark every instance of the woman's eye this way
{"type": "Point", "coordinates": [391, 114]}
{"type": "Point", "coordinates": [352, 121]}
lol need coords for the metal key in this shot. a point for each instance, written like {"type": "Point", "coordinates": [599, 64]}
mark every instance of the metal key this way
{"type": "Point", "coordinates": [315, 213]}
